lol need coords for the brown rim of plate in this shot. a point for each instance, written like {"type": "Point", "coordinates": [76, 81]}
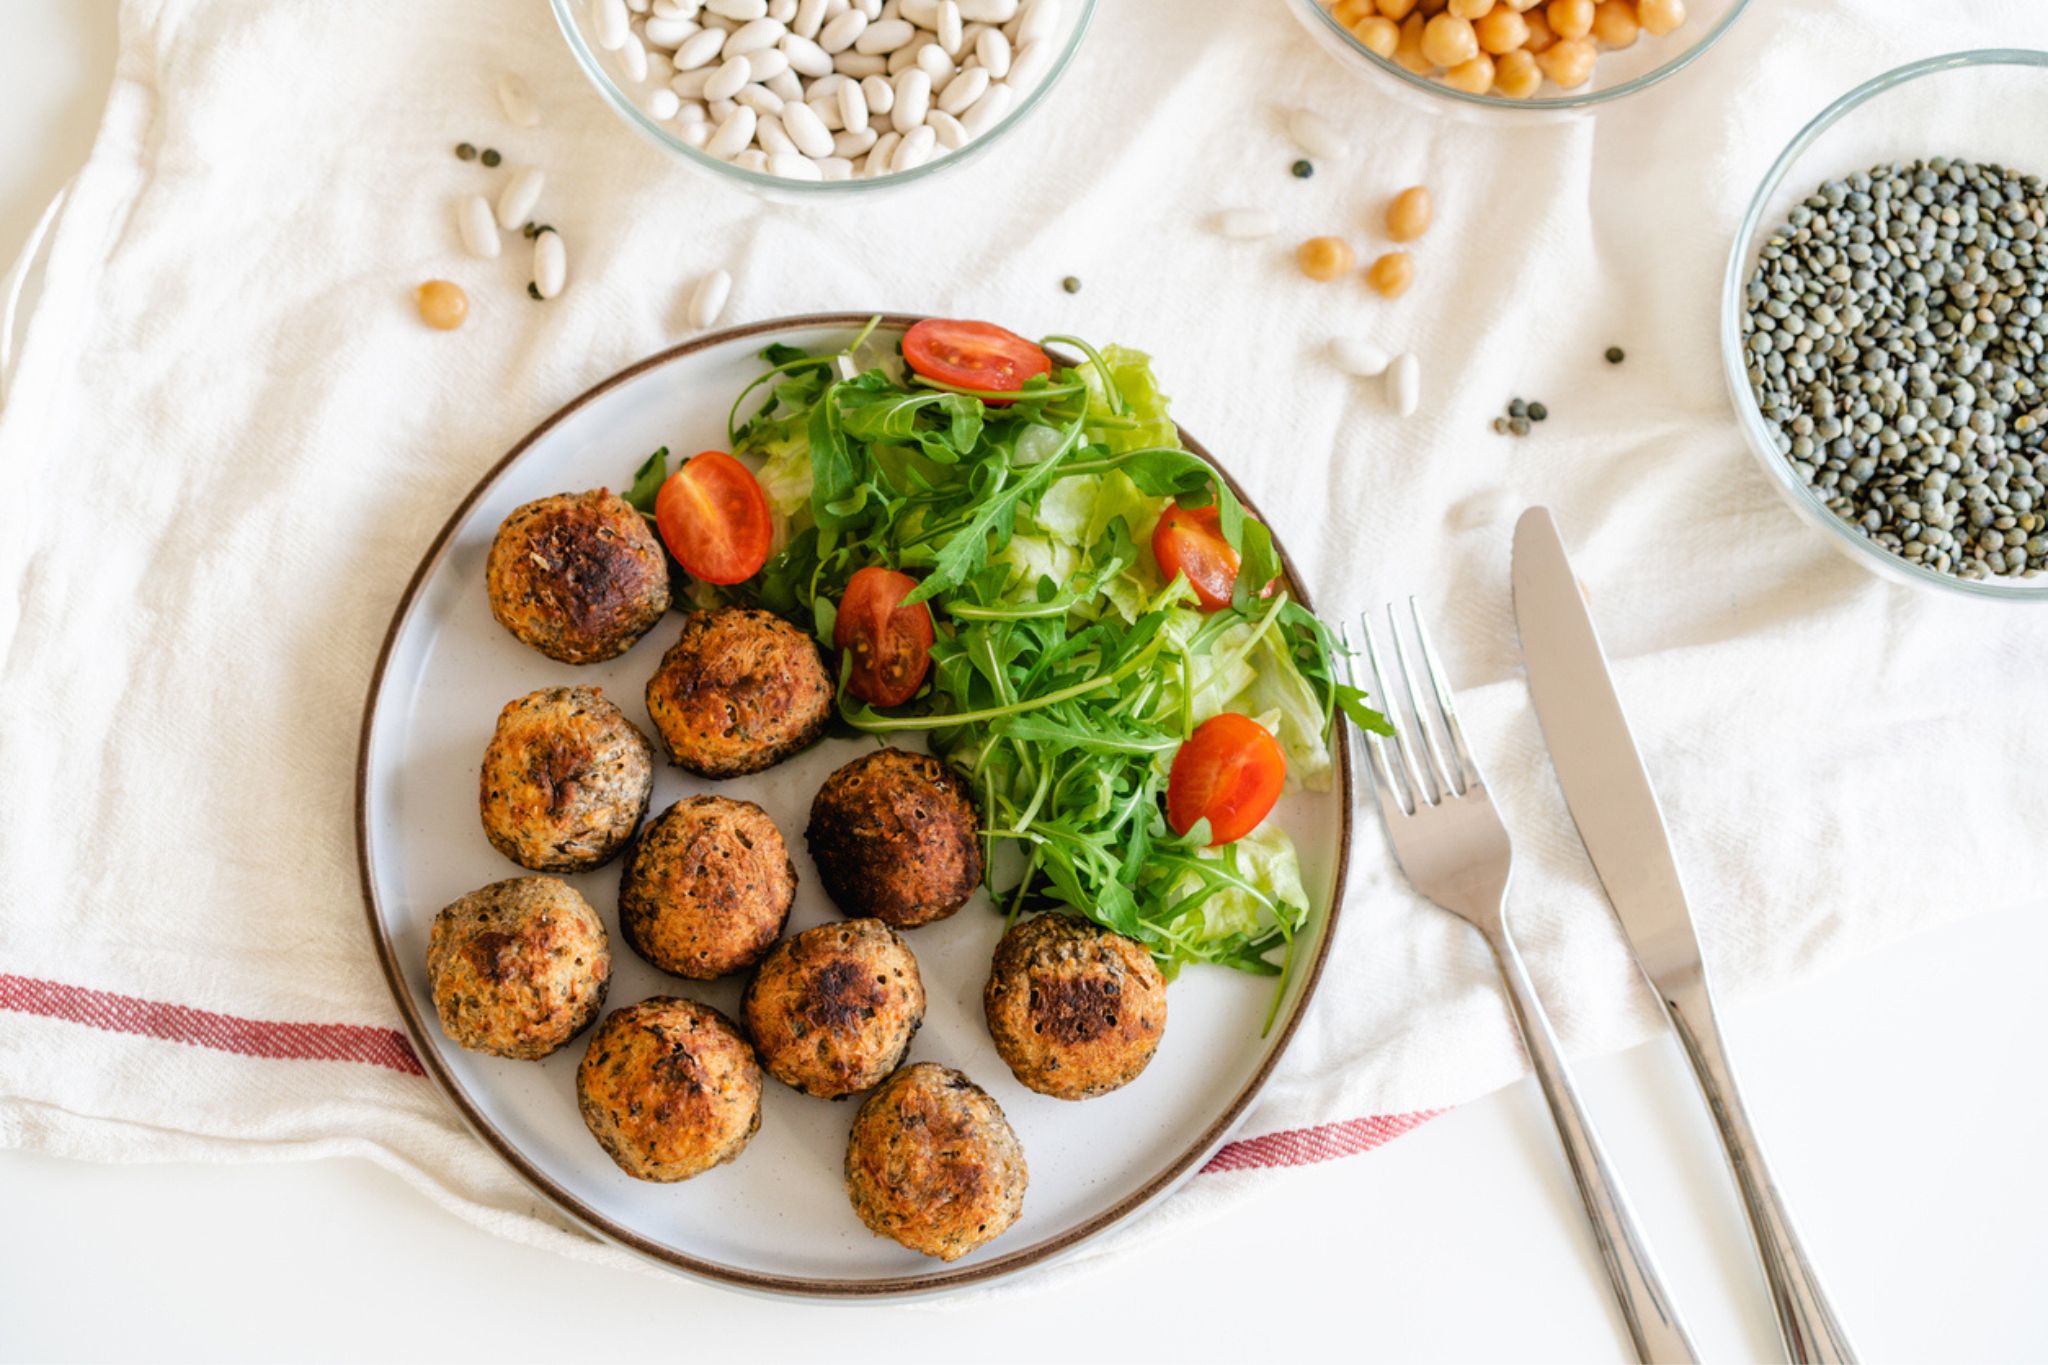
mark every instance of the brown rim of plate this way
{"type": "Point", "coordinates": [1183, 1166]}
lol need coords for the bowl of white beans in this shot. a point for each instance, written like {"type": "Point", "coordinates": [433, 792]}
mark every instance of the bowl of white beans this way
{"type": "Point", "coordinates": [1518, 60]}
{"type": "Point", "coordinates": [803, 100]}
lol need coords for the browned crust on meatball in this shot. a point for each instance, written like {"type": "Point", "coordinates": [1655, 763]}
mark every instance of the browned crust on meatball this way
{"type": "Point", "coordinates": [578, 576]}
{"type": "Point", "coordinates": [1075, 1009]}
{"type": "Point", "coordinates": [669, 1088]}
{"type": "Point", "coordinates": [933, 1164]}
{"type": "Point", "coordinates": [893, 835]}
{"type": "Point", "coordinates": [739, 691]}
{"type": "Point", "coordinates": [518, 968]}
{"type": "Point", "coordinates": [565, 780]}
{"type": "Point", "coordinates": [707, 887]}
{"type": "Point", "coordinates": [833, 1010]}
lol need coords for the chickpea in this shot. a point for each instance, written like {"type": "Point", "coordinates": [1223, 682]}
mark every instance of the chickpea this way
{"type": "Point", "coordinates": [1397, 10]}
{"type": "Point", "coordinates": [1614, 22]}
{"type": "Point", "coordinates": [1431, 8]}
{"type": "Point", "coordinates": [1471, 9]}
{"type": "Point", "coordinates": [1349, 12]}
{"type": "Point", "coordinates": [1569, 62]}
{"type": "Point", "coordinates": [1516, 75]}
{"type": "Point", "coordinates": [1540, 34]}
{"type": "Point", "coordinates": [1501, 31]}
{"type": "Point", "coordinates": [442, 304]}
{"type": "Point", "coordinates": [1521, 6]}
{"type": "Point", "coordinates": [1391, 274]}
{"type": "Point", "coordinates": [1659, 17]}
{"type": "Point", "coordinates": [1571, 18]}
{"type": "Point", "coordinates": [1411, 212]}
{"type": "Point", "coordinates": [1474, 77]}
{"type": "Point", "coordinates": [1409, 52]}
{"type": "Point", "coordinates": [1450, 40]}
{"type": "Point", "coordinates": [1379, 34]}
{"type": "Point", "coordinates": [1325, 258]}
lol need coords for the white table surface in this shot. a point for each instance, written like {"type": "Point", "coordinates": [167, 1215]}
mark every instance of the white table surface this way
{"type": "Point", "coordinates": [1902, 1099]}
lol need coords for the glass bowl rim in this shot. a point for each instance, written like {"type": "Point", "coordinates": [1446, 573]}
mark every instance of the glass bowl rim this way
{"type": "Point", "coordinates": [628, 108]}
{"type": "Point", "coordinates": [1590, 100]}
{"type": "Point", "coordinates": [1736, 373]}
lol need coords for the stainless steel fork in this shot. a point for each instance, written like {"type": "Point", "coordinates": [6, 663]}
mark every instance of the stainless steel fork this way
{"type": "Point", "coordinates": [1453, 847]}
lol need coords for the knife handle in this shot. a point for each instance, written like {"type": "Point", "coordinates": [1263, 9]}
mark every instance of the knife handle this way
{"type": "Point", "coordinates": [1645, 1307]}
{"type": "Point", "coordinates": [1804, 1317]}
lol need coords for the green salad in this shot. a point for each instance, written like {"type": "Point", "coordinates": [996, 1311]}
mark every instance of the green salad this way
{"type": "Point", "coordinates": [1066, 669]}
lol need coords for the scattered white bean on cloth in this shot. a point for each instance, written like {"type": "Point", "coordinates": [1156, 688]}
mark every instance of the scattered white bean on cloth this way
{"type": "Point", "coordinates": [767, 86]}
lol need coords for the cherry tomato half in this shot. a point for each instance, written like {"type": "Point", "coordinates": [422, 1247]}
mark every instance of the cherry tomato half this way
{"type": "Point", "coordinates": [973, 355]}
{"type": "Point", "coordinates": [1231, 771]}
{"type": "Point", "coordinates": [1189, 540]}
{"type": "Point", "coordinates": [890, 644]}
{"type": "Point", "coordinates": [714, 518]}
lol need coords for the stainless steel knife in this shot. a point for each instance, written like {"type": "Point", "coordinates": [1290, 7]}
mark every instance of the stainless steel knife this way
{"type": "Point", "coordinates": [1616, 811]}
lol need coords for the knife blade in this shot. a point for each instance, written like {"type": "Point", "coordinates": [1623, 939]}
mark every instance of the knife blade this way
{"type": "Point", "coordinates": [1608, 792]}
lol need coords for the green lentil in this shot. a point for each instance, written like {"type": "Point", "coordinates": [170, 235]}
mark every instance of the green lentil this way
{"type": "Point", "coordinates": [491, 157]}
{"type": "Point", "coordinates": [1615, 355]}
{"type": "Point", "coordinates": [1303, 169]}
{"type": "Point", "coordinates": [1537, 412]}
{"type": "Point", "coordinates": [465, 151]}
{"type": "Point", "coordinates": [1072, 284]}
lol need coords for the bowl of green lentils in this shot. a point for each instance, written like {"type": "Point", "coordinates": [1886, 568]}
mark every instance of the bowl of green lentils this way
{"type": "Point", "coordinates": [1884, 327]}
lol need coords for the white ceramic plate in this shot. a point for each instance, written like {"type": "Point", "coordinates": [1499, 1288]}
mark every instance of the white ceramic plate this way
{"type": "Point", "coordinates": [777, 1218]}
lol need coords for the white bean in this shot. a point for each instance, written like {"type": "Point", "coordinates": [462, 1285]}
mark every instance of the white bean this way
{"type": "Point", "coordinates": [611, 22]}
{"type": "Point", "coordinates": [734, 133]}
{"type": "Point", "coordinates": [692, 111]}
{"type": "Point", "coordinates": [885, 36]}
{"type": "Point", "coordinates": [743, 11]}
{"type": "Point", "coordinates": [988, 111]}
{"type": "Point", "coordinates": [637, 6]}
{"type": "Point", "coordinates": [675, 9]}
{"type": "Point", "coordinates": [663, 104]}
{"type": "Point", "coordinates": [810, 17]}
{"type": "Point", "coordinates": [515, 97]}
{"type": "Point", "coordinates": [1404, 383]}
{"type": "Point", "coordinates": [752, 159]}
{"type": "Point", "coordinates": [1029, 64]}
{"type": "Point", "coordinates": [806, 58]}
{"type": "Point", "coordinates": [963, 90]}
{"type": "Point", "coordinates": [948, 27]}
{"type": "Point", "coordinates": [1246, 224]}
{"type": "Point", "coordinates": [474, 222]}
{"type": "Point", "coordinates": [794, 166]}
{"type": "Point", "coordinates": [690, 84]}
{"type": "Point", "coordinates": [699, 49]}
{"type": "Point", "coordinates": [923, 13]}
{"type": "Point", "coordinates": [860, 65]}
{"type": "Point", "coordinates": [811, 136]}
{"type": "Point", "coordinates": [916, 148]}
{"type": "Point", "coordinates": [951, 135]}
{"type": "Point", "coordinates": [782, 11]}
{"type": "Point", "coordinates": [1315, 135]}
{"type": "Point", "coordinates": [765, 64]}
{"type": "Point", "coordinates": [854, 142]}
{"type": "Point", "coordinates": [853, 107]}
{"type": "Point", "coordinates": [988, 11]}
{"type": "Point", "coordinates": [633, 59]}
{"type": "Point", "coordinates": [521, 193]}
{"type": "Point", "coordinates": [994, 51]}
{"type": "Point", "coordinates": [550, 263]}
{"type": "Point", "coordinates": [1361, 358]}
{"type": "Point", "coordinates": [901, 59]}
{"type": "Point", "coordinates": [786, 84]}
{"type": "Point", "coordinates": [707, 300]}
{"type": "Point", "coordinates": [721, 110]}
{"type": "Point", "coordinates": [881, 154]}
{"type": "Point", "coordinates": [913, 100]}
{"type": "Point", "coordinates": [827, 113]}
{"type": "Point", "coordinates": [843, 31]}
{"type": "Point", "coordinates": [760, 99]}
{"type": "Point", "coordinates": [1040, 22]}
{"type": "Point", "coordinates": [835, 168]}
{"type": "Point", "coordinates": [659, 67]}
{"type": "Point", "coordinates": [731, 77]}
{"type": "Point", "coordinates": [871, 8]}
{"type": "Point", "coordinates": [936, 63]}
{"type": "Point", "coordinates": [670, 33]}
{"type": "Point", "coordinates": [753, 36]}
{"type": "Point", "coordinates": [770, 137]}
{"type": "Point", "coordinates": [696, 134]}
{"type": "Point", "coordinates": [880, 95]}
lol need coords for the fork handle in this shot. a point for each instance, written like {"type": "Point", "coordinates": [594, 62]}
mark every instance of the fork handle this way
{"type": "Point", "coordinates": [1652, 1321]}
{"type": "Point", "coordinates": [1811, 1331]}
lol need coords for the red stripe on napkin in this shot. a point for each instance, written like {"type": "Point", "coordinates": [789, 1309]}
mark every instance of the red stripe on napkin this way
{"type": "Point", "coordinates": [1324, 1142]}
{"type": "Point", "coordinates": [204, 1028]}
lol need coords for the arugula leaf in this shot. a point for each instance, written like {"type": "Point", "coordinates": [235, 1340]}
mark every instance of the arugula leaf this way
{"type": "Point", "coordinates": [647, 481]}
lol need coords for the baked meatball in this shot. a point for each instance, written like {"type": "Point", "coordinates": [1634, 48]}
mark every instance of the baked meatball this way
{"type": "Point", "coordinates": [707, 887]}
{"type": "Point", "coordinates": [832, 1011]}
{"type": "Point", "coordinates": [739, 691]}
{"type": "Point", "coordinates": [518, 968]}
{"type": "Point", "coordinates": [934, 1164]}
{"type": "Point", "coordinates": [669, 1088]}
{"type": "Point", "coordinates": [565, 780]}
{"type": "Point", "coordinates": [578, 576]}
{"type": "Point", "coordinates": [893, 835]}
{"type": "Point", "coordinates": [1075, 1009]}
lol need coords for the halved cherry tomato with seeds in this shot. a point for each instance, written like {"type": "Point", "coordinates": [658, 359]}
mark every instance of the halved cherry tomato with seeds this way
{"type": "Point", "coordinates": [1189, 540]}
{"type": "Point", "coordinates": [973, 355]}
{"type": "Point", "coordinates": [714, 518]}
{"type": "Point", "coordinates": [1230, 772]}
{"type": "Point", "coordinates": [890, 644]}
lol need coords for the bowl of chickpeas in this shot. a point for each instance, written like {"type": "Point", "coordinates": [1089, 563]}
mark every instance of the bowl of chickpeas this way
{"type": "Point", "coordinates": [1507, 58]}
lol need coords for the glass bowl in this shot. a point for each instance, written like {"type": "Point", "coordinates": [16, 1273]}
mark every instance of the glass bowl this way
{"type": "Point", "coordinates": [1618, 73]}
{"type": "Point", "coordinates": [1986, 105]}
{"type": "Point", "coordinates": [578, 27]}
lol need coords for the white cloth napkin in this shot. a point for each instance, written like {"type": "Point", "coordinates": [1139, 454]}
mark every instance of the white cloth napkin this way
{"type": "Point", "coordinates": [230, 440]}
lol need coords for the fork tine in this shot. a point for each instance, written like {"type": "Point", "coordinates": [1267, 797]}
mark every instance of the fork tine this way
{"type": "Point", "coordinates": [1439, 770]}
{"type": "Point", "coordinates": [1375, 747]}
{"type": "Point", "coordinates": [1444, 699]}
{"type": "Point", "coordinates": [1411, 773]}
